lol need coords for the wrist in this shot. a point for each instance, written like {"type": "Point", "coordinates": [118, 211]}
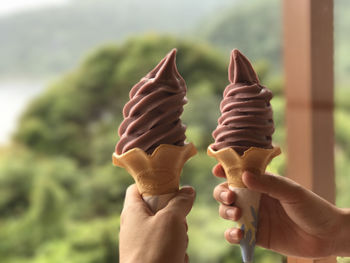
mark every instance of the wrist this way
{"type": "Point", "coordinates": [343, 237]}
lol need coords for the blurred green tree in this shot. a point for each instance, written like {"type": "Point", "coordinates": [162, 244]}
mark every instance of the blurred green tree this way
{"type": "Point", "coordinates": [251, 26]}
{"type": "Point", "coordinates": [67, 118]}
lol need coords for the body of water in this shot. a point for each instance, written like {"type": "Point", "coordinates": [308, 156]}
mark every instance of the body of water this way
{"type": "Point", "coordinates": [14, 97]}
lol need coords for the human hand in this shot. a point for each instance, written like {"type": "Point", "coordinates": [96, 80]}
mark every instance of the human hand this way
{"type": "Point", "coordinates": [157, 238]}
{"type": "Point", "coordinates": [292, 220]}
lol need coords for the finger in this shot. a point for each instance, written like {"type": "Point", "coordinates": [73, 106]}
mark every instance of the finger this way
{"type": "Point", "coordinates": [230, 212]}
{"type": "Point", "coordinates": [132, 196]}
{"type": "Point", "coordinates": [233, 235]}
{"type": "Point", "coordinates": [182, 203]}
{"type": "Point", "coordinates": [218, 171]}
{"type": "Point", "coordinates": [134, 199]}
{"type": "Point", "coordinates": [223, 195]}
{"type": "Point", "coordinates": [275, 186]}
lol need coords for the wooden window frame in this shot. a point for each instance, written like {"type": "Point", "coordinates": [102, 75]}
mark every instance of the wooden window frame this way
{"type": "Point", "coordinates": [309, 81]}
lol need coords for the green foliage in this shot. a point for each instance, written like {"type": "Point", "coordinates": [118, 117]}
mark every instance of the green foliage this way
{"type": "Point", "coordinates": [261, 255]}
{"type": "Point", "coordinates": [68, 118]}
{"type": "Point", "coordinates": [244, 26]}
{"type": "Point", "coordinates": [342, 151]}
{"type": "Point", "coordinates": [206, 239]}
{"type": "Point", "coordinates": [102, 193]}
{"type": "Point", "coordinates": [255, 28]}
{"type": "Point", "coordinates": [342, 101]}
{"type": "Point", "coordinates": [342, 123]}
{"type": "Point", "coordinates": [343, 260]}
{"type": "Point", "coordinates": [342, 179]}
{"type": "Point", "coordinates": [197, 172]}
{"type": "Point", "coordinates": [201, 120]}
{"type": "Point", "coordinates": [341, 42]}
{"type": "Point", "coordinates": [15, 182]}
{"type": "Point", "coordinates": [41, 200]}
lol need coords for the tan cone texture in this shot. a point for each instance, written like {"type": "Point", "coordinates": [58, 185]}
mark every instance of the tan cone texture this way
{"type": "Point", "coordinates": [158, 173]}
{"type": "Point", "coordinates": [254, 160]}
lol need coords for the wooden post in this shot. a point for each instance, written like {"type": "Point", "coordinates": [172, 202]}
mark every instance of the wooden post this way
{"type": "Point", "coordinates": [308, 61]}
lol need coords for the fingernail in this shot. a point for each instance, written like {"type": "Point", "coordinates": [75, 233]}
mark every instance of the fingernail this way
{"type": "Point", "coordinates": [230, 213]}
{"type": "Point", "coordinates": [224, 196]}
{"type": "Point", "coordinates": [187, 190]}
{"type": "Point", "coordinates": [233, 233]}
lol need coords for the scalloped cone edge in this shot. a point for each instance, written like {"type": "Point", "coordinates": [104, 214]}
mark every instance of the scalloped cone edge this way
{"type": "Point", "coordinates": [158, 173]}
{"type": "Point", "coordinates": [254, 160]}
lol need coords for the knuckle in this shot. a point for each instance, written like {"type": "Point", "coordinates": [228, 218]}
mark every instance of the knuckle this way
{"type": "Point", "coordinates": [170, 218]}
{"type": "Point", "coordinates": [228, 236]}
{"type": "Point", "coordinates": [298, 188]}
{"type": "Point", "coordinates": [182, 198]}
{"type": "Point", "coordinates": [222, 212]}
{"type": "Point", "coordinates": [129, 189]}
{"type": "Point", "coordinates": [130, 209]}
{"type": "Point", "coordinates": [232, 236]}
{"type": "Point", "coordinates": [218, 190]}
{"type": "Point", "coordinates": [271, 179]}
{"type": "Point", "coordinates": [182, 201]}
{"type": "Point", "coordinates": [216, 193]}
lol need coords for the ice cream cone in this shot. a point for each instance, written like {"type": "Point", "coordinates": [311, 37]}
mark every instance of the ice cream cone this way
{"type": "Point", "coordinates": [254, 160]}
{"type": "Point", "coordinates": [157, 176]}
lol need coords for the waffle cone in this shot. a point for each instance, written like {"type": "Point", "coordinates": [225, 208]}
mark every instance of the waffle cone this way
{"type": "Point", "coordinates": [254, 160]}
{"type": "Point", "coordinates": [158, 173]}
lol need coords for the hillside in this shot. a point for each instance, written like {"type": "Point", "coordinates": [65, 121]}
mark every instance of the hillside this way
{"type": "Point", "coordinates": [52, 40]}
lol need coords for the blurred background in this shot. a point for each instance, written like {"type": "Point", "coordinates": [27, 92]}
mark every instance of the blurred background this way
{"type": "Point", "coordinates": [66, 67]}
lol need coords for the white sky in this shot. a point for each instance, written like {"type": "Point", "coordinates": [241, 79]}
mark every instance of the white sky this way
{"type": "Point", "coordinates": [12, 6]}
{"type": "Point", "coordinates": [14, 93]}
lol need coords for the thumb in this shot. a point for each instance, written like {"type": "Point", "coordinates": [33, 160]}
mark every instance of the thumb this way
{"type": "Point", "coordinates": [278, 187]}
{"type": "Point", "coordinates": [134, 199]}
{"type": "Point", "coordinates": [182, 203]}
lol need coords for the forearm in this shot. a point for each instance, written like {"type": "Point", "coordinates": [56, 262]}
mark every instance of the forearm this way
{"type": "Point", "coordinates": [343, 241]}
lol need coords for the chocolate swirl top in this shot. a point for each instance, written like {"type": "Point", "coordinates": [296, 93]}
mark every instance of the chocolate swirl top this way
{"type": "Point", "coordinates": [246, 114]}
{"type": "Point", "coordinates": [152, 116]}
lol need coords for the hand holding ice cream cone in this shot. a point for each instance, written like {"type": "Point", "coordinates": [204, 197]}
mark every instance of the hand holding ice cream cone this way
{"type": "Point", "coordinates": [243, 141]}
{"type": "Point", "coordinates": [161, 237]}
{"type": "Point", "coordinates": [254, 160]}
{"type": "Point", "coordinates": [293, 221]}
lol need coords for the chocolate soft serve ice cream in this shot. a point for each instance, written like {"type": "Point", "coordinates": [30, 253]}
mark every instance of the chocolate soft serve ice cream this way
{"type": "Point", "coordinates": [152, 116]}
{"type": "Point", "coordinates": [246, 114]}
{"type": "Point", "coordinates": [152, 146]}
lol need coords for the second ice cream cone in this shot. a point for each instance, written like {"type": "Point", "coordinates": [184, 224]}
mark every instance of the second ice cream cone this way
{"type": "Point", "coordinates": [254, 160]}
{"type": "Point", "coordinates": [157, 176]}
